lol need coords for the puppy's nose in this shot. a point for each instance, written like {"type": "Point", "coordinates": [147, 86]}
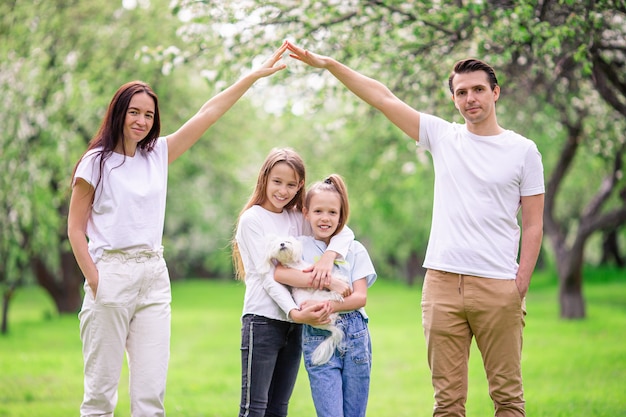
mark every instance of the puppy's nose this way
{"type": "Point", "coordinates": [282, 244]}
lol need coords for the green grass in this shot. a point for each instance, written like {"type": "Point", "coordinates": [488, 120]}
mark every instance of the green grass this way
{"type": "Point", "coordinates": [571, 368]}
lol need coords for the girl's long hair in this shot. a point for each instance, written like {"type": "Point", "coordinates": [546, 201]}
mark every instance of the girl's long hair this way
{"type": "Point", "coordinates": [276, 156]}
{"type": "Point", "coordinates": [111, 130]}
{"type": "Point", "coordinates": [335, 184]}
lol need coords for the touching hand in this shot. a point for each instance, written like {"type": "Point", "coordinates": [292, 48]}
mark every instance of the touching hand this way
{"type": "Point", "coordinates": [312, 313]}
{"type": "Point", "coordinates": [314, 60]}
{"type": "Point", "coordinates": [521, 288]}
{"type": "Point", "coordinates": [321, 272]}
{"type": "Point", "coordinates": [269, 67]}
{"type": "Point", "coordinates": [93, 284]}
{"type": "Point", "coordinates": [340, 287]}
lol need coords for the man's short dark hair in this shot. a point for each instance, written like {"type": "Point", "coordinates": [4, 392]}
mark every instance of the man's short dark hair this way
{"type": "Point", "coordinates": [472, 65]}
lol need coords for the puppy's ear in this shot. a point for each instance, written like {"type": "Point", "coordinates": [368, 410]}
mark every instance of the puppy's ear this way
{"type": "Point", "coordinates": [272, 249]}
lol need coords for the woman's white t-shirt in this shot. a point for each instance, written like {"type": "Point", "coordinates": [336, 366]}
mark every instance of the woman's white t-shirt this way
{"type": "Point", "coordinates": [128, 210]}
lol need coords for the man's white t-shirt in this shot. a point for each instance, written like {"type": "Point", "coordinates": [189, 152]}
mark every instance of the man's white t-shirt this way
{"type": "Point", "coordinates": [129, 203]}
{"type": "Point", "coordinates": [479, 182]}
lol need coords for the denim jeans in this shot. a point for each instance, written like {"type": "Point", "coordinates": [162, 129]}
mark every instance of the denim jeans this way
{"type": "Point", "coordinates": [270, 359]}
{"type": "Point", "coordinates": [340, 387]}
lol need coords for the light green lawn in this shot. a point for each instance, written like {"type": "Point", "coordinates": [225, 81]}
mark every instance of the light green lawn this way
{"type": "Point", "coordinates": [571, 368]}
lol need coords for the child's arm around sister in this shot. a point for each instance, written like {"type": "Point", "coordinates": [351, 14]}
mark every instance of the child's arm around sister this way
{"type": "Point", "coordinates": [270, 340]}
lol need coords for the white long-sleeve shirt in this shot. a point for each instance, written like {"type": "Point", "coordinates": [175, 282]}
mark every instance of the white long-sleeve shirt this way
{"type": "Point", "coordinates": [264, 296]}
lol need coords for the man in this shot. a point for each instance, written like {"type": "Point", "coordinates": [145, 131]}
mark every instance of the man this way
{"type": "Point", "coordinates": [474, 286]}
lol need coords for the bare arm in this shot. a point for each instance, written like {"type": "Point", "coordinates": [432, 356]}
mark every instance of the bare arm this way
{"type": "Point", "coordinates": [532, 234]}
{"type": "Point", "coordinates": [79, 212]}
{"type": "Point", "coordinates": [301, 279]}
{"type": "Point", "coordinates": [367, 89]}
{"type": "Point", "coordinates": [189, 133]}
{"type": "Point", "coordinates": [321, 271]}
{"type": "Point", "coordinates": [313, 314]}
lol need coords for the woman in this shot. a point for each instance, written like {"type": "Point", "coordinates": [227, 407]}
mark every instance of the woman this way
{"type": "Point", "coordinates": [115, 227]}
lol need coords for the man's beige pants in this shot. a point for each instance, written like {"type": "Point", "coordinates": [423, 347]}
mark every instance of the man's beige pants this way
{"type": "Point", "coordinates": [456, 308]}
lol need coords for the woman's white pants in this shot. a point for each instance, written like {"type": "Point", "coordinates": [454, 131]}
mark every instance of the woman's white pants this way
{"type": "Point", "coordinates": [131, 312]}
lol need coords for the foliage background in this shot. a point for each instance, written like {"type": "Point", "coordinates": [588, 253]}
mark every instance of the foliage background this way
{"type": "Point", "coordinates": [61, 61]}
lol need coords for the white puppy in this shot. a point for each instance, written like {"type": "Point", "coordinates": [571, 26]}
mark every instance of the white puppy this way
{"type": "Point", "coordinates": [288, 252]}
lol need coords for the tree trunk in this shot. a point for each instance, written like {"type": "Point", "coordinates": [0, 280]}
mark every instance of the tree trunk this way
{"type": "Point", "coordinates": [571, 299]}
{"type": "Point", "coordinates": [610, 249]}
{"type": "Point", "coordinates": [66, 291]}
{"type": "Point", "coordinates": [570, 269]}
{"type": "Point", "coordinates": [414, 268]}
{"type": "Point", "coordinates": [6, 300]}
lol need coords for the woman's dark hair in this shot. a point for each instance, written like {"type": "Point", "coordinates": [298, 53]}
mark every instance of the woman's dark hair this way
{"type": "Point", "coordinates": [472, 65]}
{"type": "Point", "coordinates": [111, 130]}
